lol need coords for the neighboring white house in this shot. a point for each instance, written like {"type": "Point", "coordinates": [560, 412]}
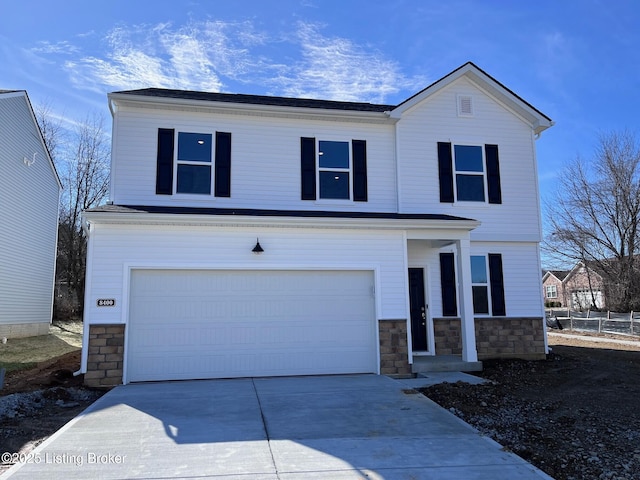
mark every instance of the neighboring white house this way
{"type": "Point", "coordinates": [29, 202]}
{"type": "Point", "coordinates": [259, 236]}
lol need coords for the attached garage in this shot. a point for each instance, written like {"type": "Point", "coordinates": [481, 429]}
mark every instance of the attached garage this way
{"type": "Point", "coordinates": [193, 324]}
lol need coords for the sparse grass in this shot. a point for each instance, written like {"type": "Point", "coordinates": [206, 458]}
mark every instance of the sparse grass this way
{"type": "Point", "coordinates": [23, 353]}
{"type": "Point", "coordinates": [15, 366]}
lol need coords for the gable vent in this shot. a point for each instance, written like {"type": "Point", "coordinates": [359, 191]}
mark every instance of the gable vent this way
{"type": "Point", "coordinates": [465, 106]}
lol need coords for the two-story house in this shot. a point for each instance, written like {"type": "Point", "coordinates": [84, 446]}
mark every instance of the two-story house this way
{"type": "Point", "coordinates": [29, 202]}
{"type": "Point", "coordinates": [260, 236]}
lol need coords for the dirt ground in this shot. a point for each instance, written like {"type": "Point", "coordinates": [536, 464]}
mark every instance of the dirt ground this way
{"type": "Point", "coordinates": [575, 415]}
{"type": "Point", "coordinates": [38, 400]}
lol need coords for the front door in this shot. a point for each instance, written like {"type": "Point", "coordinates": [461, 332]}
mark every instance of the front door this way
{"type": "Point", "coordinates": [418, 310]}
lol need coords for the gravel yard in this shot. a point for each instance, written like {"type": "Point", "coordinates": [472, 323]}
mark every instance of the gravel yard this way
{"type": "Point", "coordinates": [574, 415]}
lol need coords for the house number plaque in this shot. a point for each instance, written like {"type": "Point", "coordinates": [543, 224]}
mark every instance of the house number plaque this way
{"type": "Point", "coordinates": [106, 302]}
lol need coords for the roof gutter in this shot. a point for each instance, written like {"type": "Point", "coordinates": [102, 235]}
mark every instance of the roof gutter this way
{"type": "Point", "coordinates": [248, 108]}
{"type": "Point", "coordinates": [137, 218]}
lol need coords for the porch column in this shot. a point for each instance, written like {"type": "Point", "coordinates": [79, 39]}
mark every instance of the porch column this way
{"type": "Point", "coordinates": [465, 295]}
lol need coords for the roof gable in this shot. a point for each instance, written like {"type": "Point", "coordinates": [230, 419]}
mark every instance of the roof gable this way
{"type": "Point", "coordinates": [559, 275]}
{"type": "Point", "coordinates": [538, 120]}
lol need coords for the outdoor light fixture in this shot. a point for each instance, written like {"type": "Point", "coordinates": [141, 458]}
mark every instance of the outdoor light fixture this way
{"type": "Point", "coordinates": [28, 162]}
{"type": "Point", "coordinates": [257, 249]}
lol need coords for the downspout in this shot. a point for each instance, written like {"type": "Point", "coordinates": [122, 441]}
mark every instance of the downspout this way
{"type": "Point", "coordinates": [86, 228]}
{"type": "Point", "coordinates": [536, 136]}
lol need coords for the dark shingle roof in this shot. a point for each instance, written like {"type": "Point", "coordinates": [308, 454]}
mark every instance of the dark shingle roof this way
{"type": "Point", "coordinates": [560, 274]}
{"type": "Point", "coordinates": [252, 212]}
{"type": "Point", "coordinates": [258, 100]}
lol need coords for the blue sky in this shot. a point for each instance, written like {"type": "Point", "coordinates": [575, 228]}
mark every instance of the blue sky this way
{"type": "Point", "coordinates": [578, 61]}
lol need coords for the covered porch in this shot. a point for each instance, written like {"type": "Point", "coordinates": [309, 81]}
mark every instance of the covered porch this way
{"type": "Point", "coordinates": [442, 331]}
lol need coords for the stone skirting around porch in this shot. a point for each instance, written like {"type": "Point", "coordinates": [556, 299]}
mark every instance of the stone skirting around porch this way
{"type": "Point", "coordinates": [510, 337]}
{"type": "Point", "coordinates": [496, 337]}
{"type": "Point", "coordinates": [394, 348]}
{"type": "Point", "coordinates": [105, 356]}
{"type": "Point", "coordinates": [447, 335]}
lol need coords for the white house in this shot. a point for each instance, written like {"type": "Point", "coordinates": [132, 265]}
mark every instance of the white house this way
{"type": "Point", "coordinates": [29, 202]}
{"type": "Point", "coordinates": [261, 236]}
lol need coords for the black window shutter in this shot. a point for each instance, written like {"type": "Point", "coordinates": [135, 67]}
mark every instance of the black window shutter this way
{"type": "Point", "coordinates": [493, 174]}
{"type": "Point", "coordinates": [448, 285]}
{"type": "Point", "coordinates": [359, 154]}
{"type": "Point", "coordinates": [164, 165]}
{"type": "Point", "coordinates": [223, 165]}
{"type": "Point", "coordinates": [308, 168]}
{"type": "Point", "coordinates": [445, 172]}
{"type": "Point", "coordinates": [497, 285]}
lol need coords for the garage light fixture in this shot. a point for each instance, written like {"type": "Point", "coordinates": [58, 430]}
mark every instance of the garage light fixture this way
{"type": "Point", "coordinates": [257, 249]}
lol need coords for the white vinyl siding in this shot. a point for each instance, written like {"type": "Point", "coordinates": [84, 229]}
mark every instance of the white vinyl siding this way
{"type": "Point", "coordinates": [29, 196]}
{"type": "Point", "coordinates": [189, 324]}
{"type": "Point", "coordinates": [116, 249]}
{"type": "Point", "coordinates": [265, 159]}
{"type": "Point", "coordinates": [520, 274]}
{"type": "Point", "coordinates": [436, 120]}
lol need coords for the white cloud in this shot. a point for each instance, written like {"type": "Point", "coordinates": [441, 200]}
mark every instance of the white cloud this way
{"type": "Point", "coordinates": [203, 55]}
{"type": "Point", "coordinates": [63, 47]}
{"type": "Point", "coordinates": [338, 69]}
{"type": "Point", "coordinates": [194, 57]}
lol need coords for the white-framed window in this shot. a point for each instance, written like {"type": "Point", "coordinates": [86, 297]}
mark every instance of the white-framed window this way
{"type": "Point", "coordinates": [334, 169]}
{"type": "Point", "coordinates": [193, 163]}
{"type": "Point", "coordinates": [551, 291]}
{"type": "Point", "coordinates": [469, 173]}
{"type": "Point", "coordinates": [480, 284]}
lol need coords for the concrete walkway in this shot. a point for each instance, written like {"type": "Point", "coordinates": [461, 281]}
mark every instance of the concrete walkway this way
{"type": "Point", "coordinates": [331, 427]}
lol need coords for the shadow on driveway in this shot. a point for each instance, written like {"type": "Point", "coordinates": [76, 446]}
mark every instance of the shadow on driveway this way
{"type": "Point", "coordinates": [338, 427]}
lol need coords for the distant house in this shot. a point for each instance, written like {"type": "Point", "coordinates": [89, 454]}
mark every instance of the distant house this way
{"type": "Point", "coordinates": [29, 202]}
{"type": "Point", "coordinates": [579, 288]}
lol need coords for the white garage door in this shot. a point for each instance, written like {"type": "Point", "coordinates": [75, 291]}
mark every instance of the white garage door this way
{"type": "Point", "coordinates": [189, 324]}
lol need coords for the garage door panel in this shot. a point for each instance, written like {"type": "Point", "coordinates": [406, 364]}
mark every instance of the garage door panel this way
{"type": "Point", "coordinates": [218, 324]}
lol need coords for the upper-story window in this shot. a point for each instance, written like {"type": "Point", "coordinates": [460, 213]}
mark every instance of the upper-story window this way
{"type": "Point", "coordinates": [194, 163]}
{"type": "Point", "coordinates": [199, 161]}
{"type": "Point", "coordinates": [469, 173]}
{"type": "Point", "coordinates": [333, 169]}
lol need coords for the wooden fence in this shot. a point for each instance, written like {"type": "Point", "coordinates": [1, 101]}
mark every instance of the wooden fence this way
{"type": "Point", "coordinates": [594, 321]}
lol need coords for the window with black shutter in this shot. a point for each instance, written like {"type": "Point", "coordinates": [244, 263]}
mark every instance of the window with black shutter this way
{"type": "Point", "coordinates": [308, 168]}
{"type": "Point", "coordinates": [469, 173]}
{"type": "Point", "coordinates": [164, 163]}
{"type": "Point", "coordinates": [333, 170]}
{"type": "Point", "coordinates": [448, 285]}
{"type": "Point", "coordinates": [498, 306]}
{"type": "Point", "coordinates": [223, 165]}
{"type": "Point", "coordinates": [359, 149]}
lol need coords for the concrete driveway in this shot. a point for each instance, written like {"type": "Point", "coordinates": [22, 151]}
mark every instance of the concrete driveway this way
{"type": "Point", "coordinates": [335, 427]}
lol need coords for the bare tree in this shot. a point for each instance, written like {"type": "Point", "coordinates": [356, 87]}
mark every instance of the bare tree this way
{"type": "Point", "coordinates": [595, 217]}
{"type": "Point", "coordinates": [82, 161]}
{"type": "Point", "coordinates": [50, 127]}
